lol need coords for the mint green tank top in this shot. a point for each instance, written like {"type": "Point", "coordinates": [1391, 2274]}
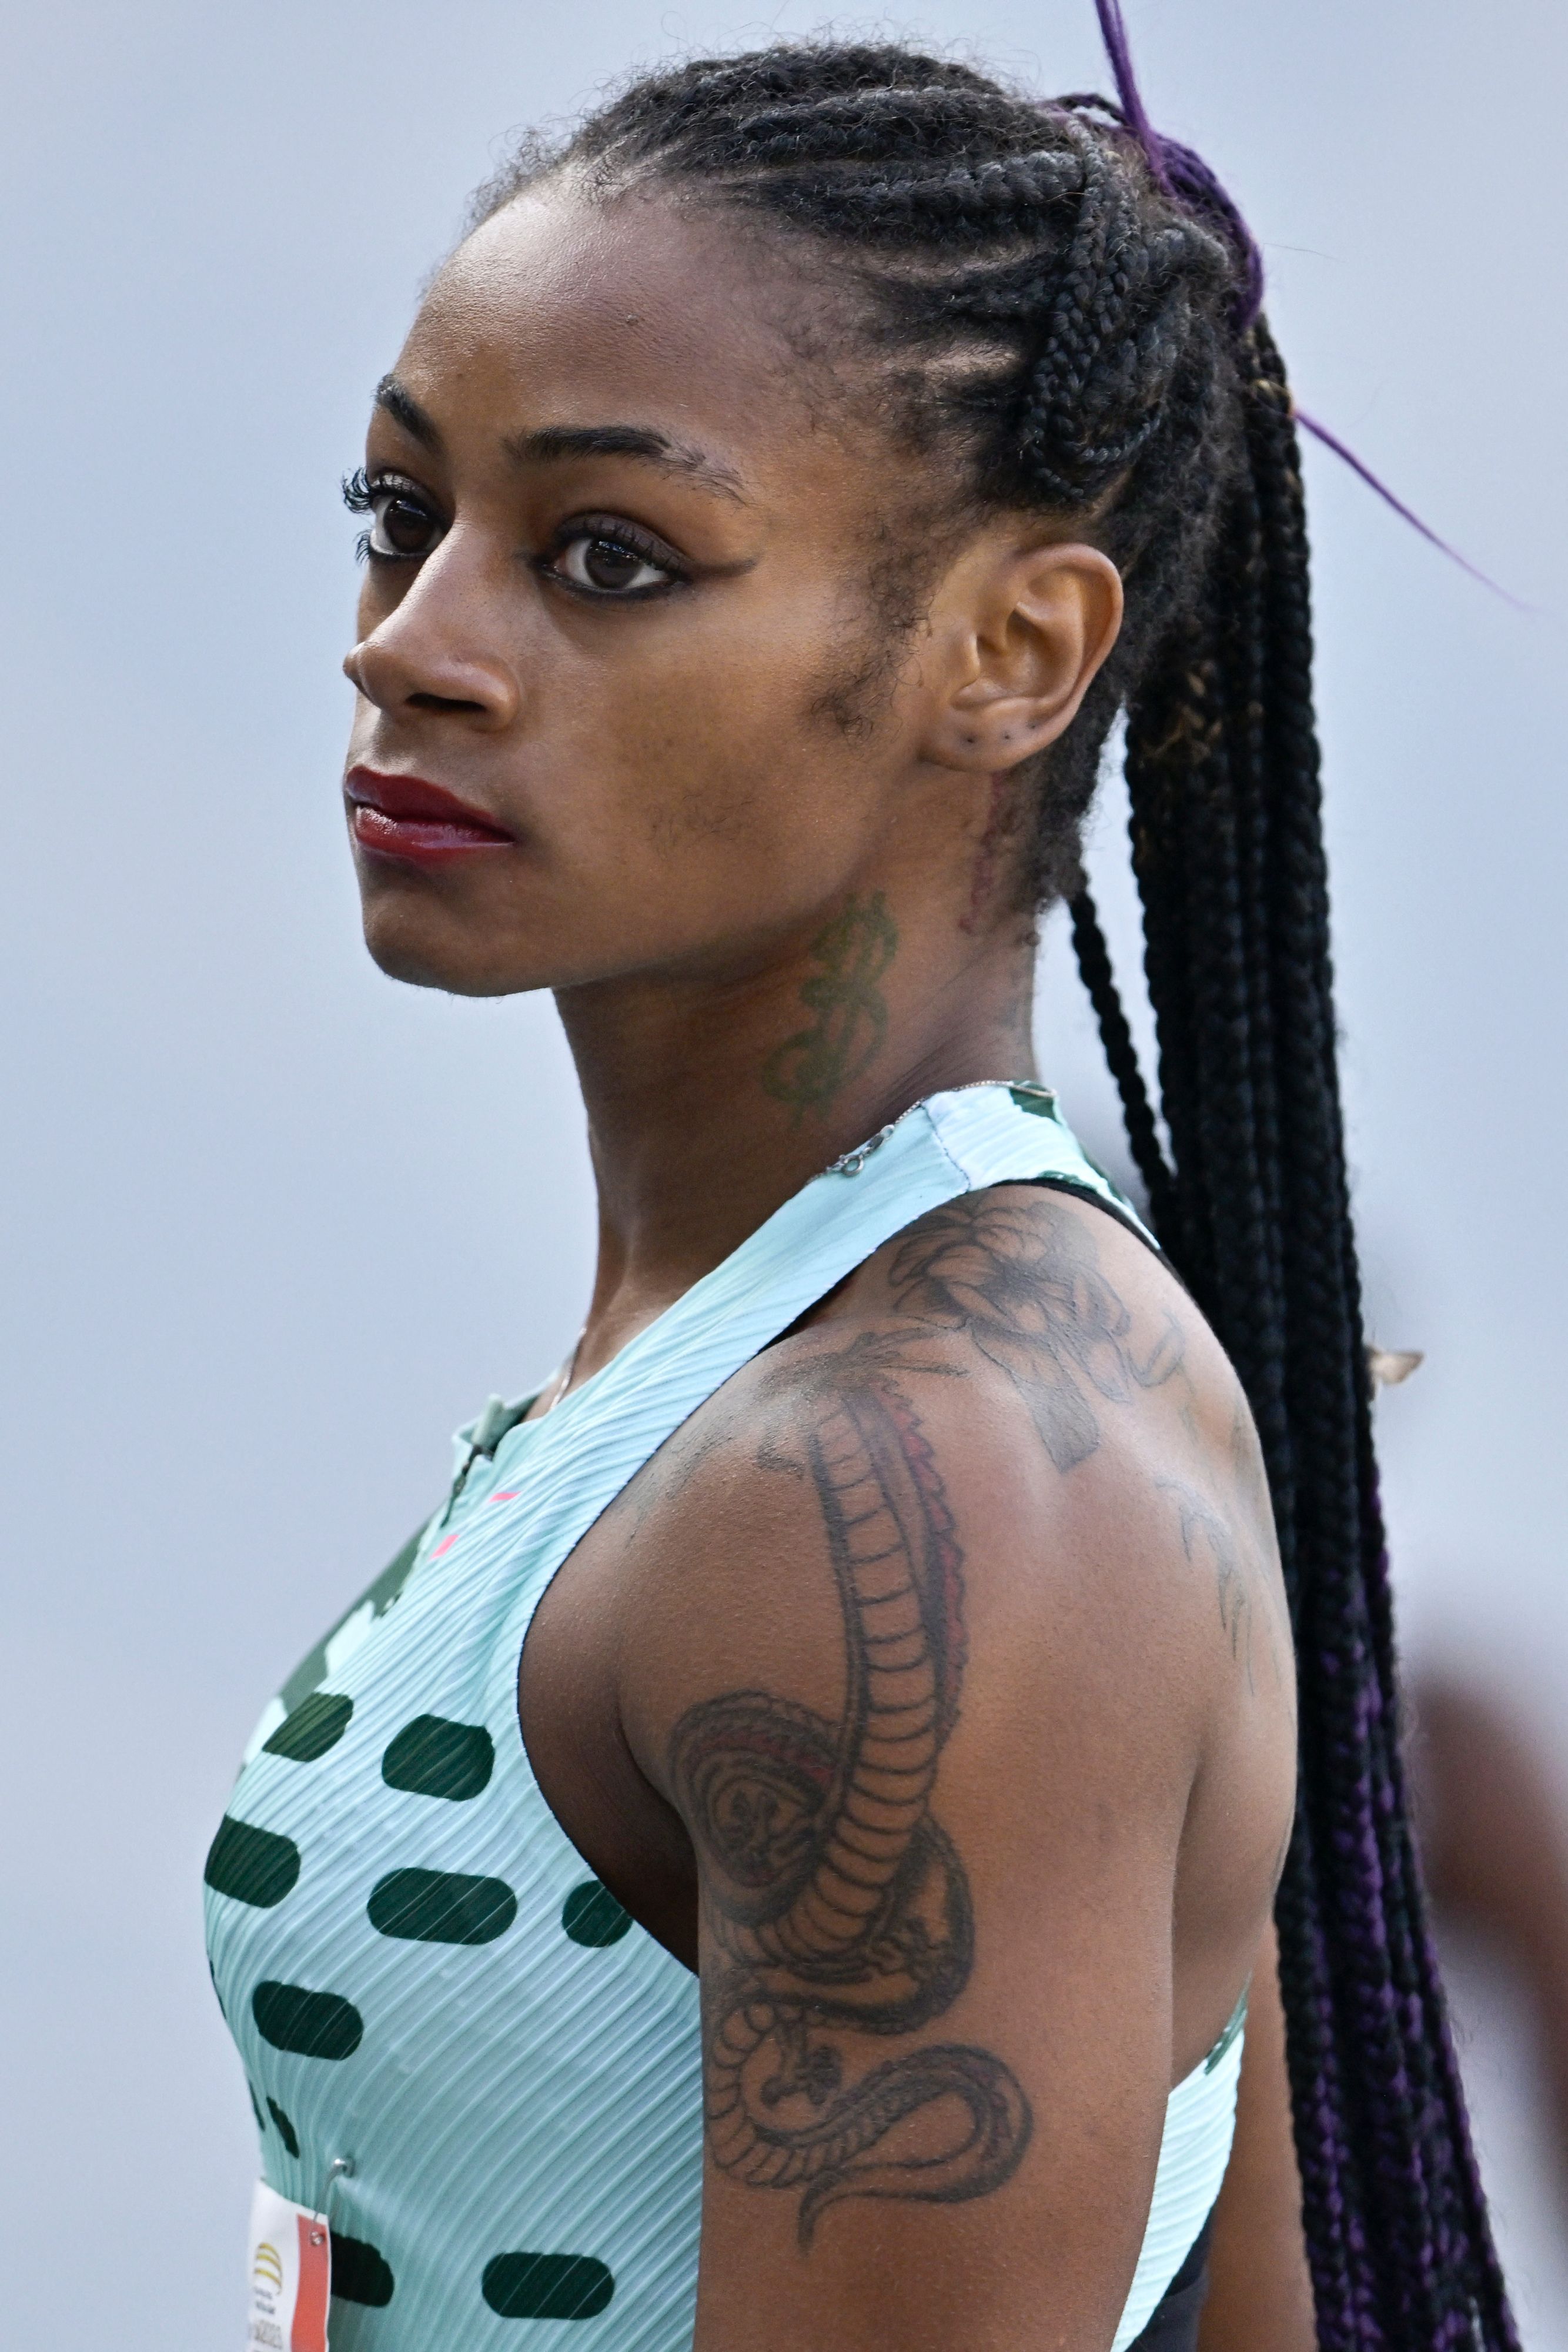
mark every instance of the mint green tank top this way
{"type": "Point", "coordinates": [458, 2044]}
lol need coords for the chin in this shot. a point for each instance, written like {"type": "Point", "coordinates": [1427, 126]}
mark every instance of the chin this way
{"type": "Point", "coordinates": [406, 949]}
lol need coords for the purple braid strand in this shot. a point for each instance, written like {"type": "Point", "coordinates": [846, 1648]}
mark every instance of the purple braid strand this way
{"type": "Point", "coordinates": [1188, 181]}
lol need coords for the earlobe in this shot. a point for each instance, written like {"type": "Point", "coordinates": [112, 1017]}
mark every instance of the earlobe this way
{"type": "Point", "coordinates": [1031, 629]}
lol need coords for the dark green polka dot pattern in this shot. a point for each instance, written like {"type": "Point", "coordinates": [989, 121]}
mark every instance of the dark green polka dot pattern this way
{"type": "Point", "coordinates": [432, 1757]}
{"type": "Point", "coordinates": [311, 2024]}
{"type": "Point", "coordinates": [592, 1916]}
{"type": "Point", "coordinates": [285, 2131]}
{"type": "Point", "coordinates": [442, 1907]}
{"type": "Point", "coordinates": [250, 1864]}
{"type": "Point", "coordinates": [360, 2272]}
{"type": "Point", "coordinates": [317, 1724]}
{"type": "Point", "coordinates": [547, 2286]}
{"type": "Point", "coordinates": [255, 2107]}
{"type": "Point", "coordinates": [449, 2000]}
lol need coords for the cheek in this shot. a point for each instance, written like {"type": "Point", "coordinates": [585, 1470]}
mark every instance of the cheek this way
{"type": "Point", "coordinates": [727, 749]}
{"type": "Point", "coordinates": [711, 770]}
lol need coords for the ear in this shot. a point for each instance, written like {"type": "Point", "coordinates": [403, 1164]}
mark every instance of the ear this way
{"type": "Point", "coordinates": [1021, 634]}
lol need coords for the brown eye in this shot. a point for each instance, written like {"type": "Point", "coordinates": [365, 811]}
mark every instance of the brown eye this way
{"type": "Point", "coordinates": [609, 567]}
{"type": "Point", "coordinates": [402, 527]}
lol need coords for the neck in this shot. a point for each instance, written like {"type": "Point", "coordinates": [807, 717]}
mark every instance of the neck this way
{"type": "Point", "coordinates": [710, 1101]}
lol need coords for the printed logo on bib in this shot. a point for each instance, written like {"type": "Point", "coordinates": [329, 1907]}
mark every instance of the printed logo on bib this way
{"type": "Point", "coordinates": [290, 2276]}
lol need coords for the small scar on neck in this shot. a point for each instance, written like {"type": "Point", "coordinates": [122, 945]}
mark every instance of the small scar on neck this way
{"type": "Point", "coordinates": [634, 318]}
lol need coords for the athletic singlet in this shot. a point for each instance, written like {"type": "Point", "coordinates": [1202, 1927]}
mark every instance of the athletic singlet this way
{"type": "Point", "coordinates": [458, 2044]}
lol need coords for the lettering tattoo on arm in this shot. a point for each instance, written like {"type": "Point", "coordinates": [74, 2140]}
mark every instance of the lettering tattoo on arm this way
{"type": "Point", "coordinates": [1023, 1281]}
{"type": "Point", "coordinates": [836, 1905]}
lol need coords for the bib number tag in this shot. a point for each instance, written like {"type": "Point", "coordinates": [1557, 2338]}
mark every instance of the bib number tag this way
{"type": "Point", "coordinates": [290, 2276]}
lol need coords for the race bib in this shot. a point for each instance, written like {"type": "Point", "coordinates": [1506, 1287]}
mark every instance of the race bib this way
{"type": "Point", "coordinates": [290, 2276]}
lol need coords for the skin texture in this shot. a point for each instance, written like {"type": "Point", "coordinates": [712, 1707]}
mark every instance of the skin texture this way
{"type": "Point", "coordinates": [931, 1690]}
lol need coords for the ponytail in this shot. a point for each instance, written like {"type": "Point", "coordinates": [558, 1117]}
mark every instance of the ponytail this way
{"type": "Point", "coordinates": [1254, 1208]}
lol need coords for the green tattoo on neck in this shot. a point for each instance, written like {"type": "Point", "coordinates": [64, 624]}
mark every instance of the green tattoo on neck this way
{"type": "Point", "coordinates": [853, 952]}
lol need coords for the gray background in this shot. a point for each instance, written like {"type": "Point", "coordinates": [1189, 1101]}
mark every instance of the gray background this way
{"type": "Point", "coordinates": [272, 1225]}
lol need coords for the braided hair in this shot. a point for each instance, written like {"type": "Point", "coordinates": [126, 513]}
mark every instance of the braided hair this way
{"type": "Point", "coordinates": [1078, 329]}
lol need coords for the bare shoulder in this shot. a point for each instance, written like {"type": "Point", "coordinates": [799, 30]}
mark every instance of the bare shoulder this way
{"type": "Point", "coordinates": [1141, 1436]}
{"type": "Point", "coordinates": [948, 1630]}
{"type": "Point", "coordinates": [936, 1635]}
{"type": "Point", "coordinates": [1069, 1305]}
{"type": "Point", "coordinates": [1009, 1460]}
{"type": "Point", "coordinates": [1048, 1404]}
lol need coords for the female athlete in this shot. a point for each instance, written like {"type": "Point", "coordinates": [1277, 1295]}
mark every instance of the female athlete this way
{"type": "Point", "coordinates": [788, 1859]}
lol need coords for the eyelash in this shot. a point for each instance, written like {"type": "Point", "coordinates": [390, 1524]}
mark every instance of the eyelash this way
{"type": "Point", "coordinates": [610, 531]}
{"type": "Point", "coordinates": [362, 490]}
{"type": "Point", "coordinates": [359, 495]}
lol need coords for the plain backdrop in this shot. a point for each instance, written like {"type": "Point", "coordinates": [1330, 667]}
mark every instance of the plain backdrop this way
{"type": "Point", "coordinates": [273, 1225]}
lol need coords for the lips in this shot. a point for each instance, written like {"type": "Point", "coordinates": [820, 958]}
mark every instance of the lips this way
{"type": "Point", "coordinates": [403, 816]}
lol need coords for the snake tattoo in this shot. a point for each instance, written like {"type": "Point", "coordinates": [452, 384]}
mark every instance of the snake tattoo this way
{"type": "Point", "coordinates": [837, 1905]}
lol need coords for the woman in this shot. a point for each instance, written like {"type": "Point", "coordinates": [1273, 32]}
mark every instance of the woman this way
{"type": "Point", "coordinates": [879, 1619]}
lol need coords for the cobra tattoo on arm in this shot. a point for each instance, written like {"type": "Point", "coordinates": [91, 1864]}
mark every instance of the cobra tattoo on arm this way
{"type": "Point", "coordinates": [835, 1903]}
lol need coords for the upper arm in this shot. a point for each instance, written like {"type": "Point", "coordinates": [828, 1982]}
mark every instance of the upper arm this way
{"type": "Point", "coordinates": [1259, 2288]}
{"type": "Point", "coordinates": [891, 1669]}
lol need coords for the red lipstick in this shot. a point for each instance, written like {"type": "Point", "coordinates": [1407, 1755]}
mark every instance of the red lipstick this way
{"type": "Point", "coordinates": [405, 817]}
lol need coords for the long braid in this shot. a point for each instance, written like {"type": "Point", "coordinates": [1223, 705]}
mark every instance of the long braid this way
{"type": "Point", "coordinates": [1122, 1054]}
{"type": "Point", "coordinates": [1101, 301]}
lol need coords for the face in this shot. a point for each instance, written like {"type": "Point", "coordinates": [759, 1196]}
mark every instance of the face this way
{"type": "Point", "coordinates": [614, 609]}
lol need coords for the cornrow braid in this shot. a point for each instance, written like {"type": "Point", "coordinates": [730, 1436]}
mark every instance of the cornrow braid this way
{"type": "Point", "coordinates": [1082, 306]}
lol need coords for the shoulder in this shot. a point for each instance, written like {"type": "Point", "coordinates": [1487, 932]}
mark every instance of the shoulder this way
{"type": "Point", "coordinates": [1060, 1299]}
{"type": "Point", "coordinates": [932, 1636]}
{"type": "Point", "coordinates": [1015, 1399]}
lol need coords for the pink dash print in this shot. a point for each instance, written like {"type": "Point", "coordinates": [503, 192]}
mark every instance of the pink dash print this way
{"type": "Point", "coordinates": [506, 1495]}
{"type": "Point", "coordinates": [444, 1544]}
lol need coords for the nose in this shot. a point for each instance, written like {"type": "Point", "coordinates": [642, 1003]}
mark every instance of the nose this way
{"type": "Point", "coordinates": [434, 653]}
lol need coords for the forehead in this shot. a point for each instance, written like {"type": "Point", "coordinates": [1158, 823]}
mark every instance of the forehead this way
{"type": "Point", "coordinates": [567, 310]}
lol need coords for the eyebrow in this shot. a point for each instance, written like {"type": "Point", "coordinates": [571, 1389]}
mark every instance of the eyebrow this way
{"type": "Point", "coordinates": [402, 407]}
{"type": "Point", "coordinates": [552, 443]}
